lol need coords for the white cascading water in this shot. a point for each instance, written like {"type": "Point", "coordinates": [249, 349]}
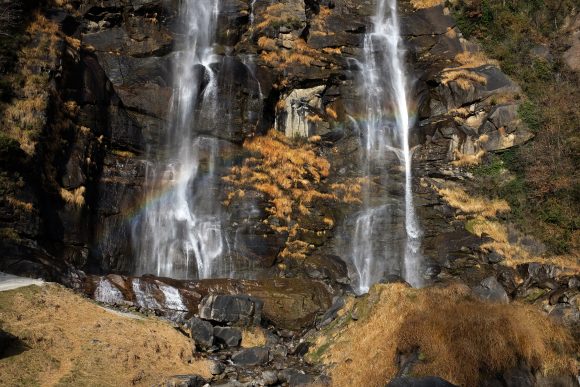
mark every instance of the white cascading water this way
{"type": "Point", "coordinates": [386, 129]}
{"type": "Point", "coordinates": [180, 234]}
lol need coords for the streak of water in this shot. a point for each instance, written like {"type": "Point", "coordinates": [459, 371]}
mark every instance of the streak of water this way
{"type": "Point", "coordinates": [387, 127]}
{"type": "Point", "coordinates": [180, 234]}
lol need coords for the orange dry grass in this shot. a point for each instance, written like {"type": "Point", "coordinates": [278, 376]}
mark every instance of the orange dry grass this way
{"type": "Point", "coordinates": [287, 173]}
{"type": "Point", "coordinates": [458, 198]}
{"type": "Point", "coordinates": [76, 197]}
{"type": "Point", "coordinates": [464, 78]}
{"type": "Point", "coordinates": [300, 53]}
{"type": "Point", "coordinates": [515, 253]}
{"type": "Point", "coordinates": [466, 160]}
{"type": "Point", "coordinates": [457, 336]}
{"type": "Point", "coordinates": [72, 341]}
{"type": "Point", "coordinates": [24, 116]}
{"type": "Point", "coordinates": [418, 4]}
{"type": "Point", "coordinates": [278, 14]}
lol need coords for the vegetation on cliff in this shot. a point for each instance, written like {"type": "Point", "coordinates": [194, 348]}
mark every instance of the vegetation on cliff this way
{"type": "Point", "coordinates": [527, 39]}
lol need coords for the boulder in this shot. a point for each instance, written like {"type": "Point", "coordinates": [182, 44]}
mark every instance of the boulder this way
{"type": "Point", "coordinates": [201, 332]}
{"type": "Point", "coordinates": [251, 356]}
{"type": "Point", "coordinates": [491, 290]}
{"type": "Point", "coordinates": [238, 310]}
{"type": "Point", "coordinates": [230, 337]}
{"type": "Point", "coordinates": [186, 381]}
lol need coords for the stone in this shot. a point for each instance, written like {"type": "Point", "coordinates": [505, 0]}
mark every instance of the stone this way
{"type": "Point", "coordinates": [251, 356]}
{"type": "Point", "coordinates": [494, 257]}
{"type": "Point", "coordinates": [269, 378]}
{"type": "Point", "coordinates": [330, 315]}
{"type": "Point", "coordinates": [230, 337]}
{"type": "Point", "coordinates": [201, 332]}
{"type": "Point", "coordinates": [491, 290]}
{"type": "Point", "coordinates": [426, 381]}
{"type": "Point", "coordinates": [217, 368]}
{"type": "Point", "coordinates": [299, 105]}
{"type": "Point", "coordinates": [238, 310]}
{"type": "Point", "coordinates": [186, 381]}
{"type": "Point", "coordinates": [295, 377]}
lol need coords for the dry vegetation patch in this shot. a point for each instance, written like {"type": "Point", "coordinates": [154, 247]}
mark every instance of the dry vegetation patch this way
{"type": "Point", "coordinates": [419, 4]}
{"type": "Point", "coordinates": [457, 337]}
{"type": "Point", "coordinates": [72, 341]}
{"type": "Point", "coordinates": [458, 198]}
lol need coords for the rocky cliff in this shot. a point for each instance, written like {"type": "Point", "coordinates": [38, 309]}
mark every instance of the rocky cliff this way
{"type": "Point", "coordinates": [86, 99]}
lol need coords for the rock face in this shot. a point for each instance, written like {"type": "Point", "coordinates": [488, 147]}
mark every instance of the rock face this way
{"type": "Point", "coordinates": [238, 310]}
{"type": "Point", "coordinates": [287, 303]}
{"type": "Point", "coordinates": [293, 66]}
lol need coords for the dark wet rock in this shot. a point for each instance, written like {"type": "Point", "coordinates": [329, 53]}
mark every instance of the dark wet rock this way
{"type": "Point", "coordinates": [230, 337]}
{"type": "Point", "coordinates": [494, 257]}
{"type": "Point", "coordinates": [269, 378]}
{"type": "Point", "coordinates": [491, 290]}
{"type": "Point", "coordinates": [251, 356]}
{"type": "Point", "coordinates": [295, 378]}
{"type": "Point", "coordinates": [519, 377]}
{"type": "Point", "coordinates": [330, 315]}
{"type": "Point", "coordinates": [217, 368]}
{"type": "Point", "coordinates": [186, 381]}
{"type": "Point", "coordinates": [238, 310]}
{"type": "Point", "coordinates": [301, 349]}
{"type": "Point", "coordinates": [202, 332]}
{"type": "Point", "coordinates": [426, 381]}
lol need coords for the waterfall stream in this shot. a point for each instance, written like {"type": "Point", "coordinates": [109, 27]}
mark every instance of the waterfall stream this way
{"type": "Point", "coordinates": [180, 233]}
{"type": "Point", "coordinates": [385, 131]}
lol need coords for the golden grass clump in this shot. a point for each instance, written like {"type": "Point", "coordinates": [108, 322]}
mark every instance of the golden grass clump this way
{"type": "Point", "coordinates": [253, 337]}
{"type": "Point", "coordinates": [17, 203]}
{"type": "Point", "coordinates": [277, 14]}
{"type": "Point", "coordinates": [75, 197]}
{"type": "Point", "coordinates": [24, 116]}
{"type": "Point", "coordinates": [464, 78]}
{"type": "Point", "coordinates": [467, 160]}
{"type": "Point", "coordinates": [474, 205]}
{"type": "Point", "coordinates": [300, 53]}
{"type": "Point", "coordinates": [457, 337]}
{"type": "Point", "coordinates": [469, 59]}
{"type": "Point", "coordinates": [285, 171]}
{"type": "Point", "coordinates": [418, 4]}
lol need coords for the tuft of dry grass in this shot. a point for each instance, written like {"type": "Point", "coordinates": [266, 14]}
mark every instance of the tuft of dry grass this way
{"type": "Point", "coordinates": [285, 171]}
{"type": "Point", "coordinates": [419, 4]}
{"type": "Point", "coordinates": [466, 160]}
{"type": "Point", "coordinates": [468, 59]}
{"type": "Point", "coordinates": [253, 337]}
{"type": "Point", "coordinates": [75, 197]}
{"type": "Point", "coordinates": [456, 336]}
{"type": "Point", "coordinates": [24, 115]}
{"type": "Point", "coordinates": [73, 341]}
{"type": "Point", "coordinates": [515, 252]}
{"type": "Point", "coordinates": [16, 203]}
{"type": "Point", "coordinates": [464, 78]}
{"type": "Point", "coordinates": [474, 205]}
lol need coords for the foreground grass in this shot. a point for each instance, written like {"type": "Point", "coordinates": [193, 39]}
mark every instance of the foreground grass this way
{"type": "Point", "coordinates": [455, 336]}
{"type": "Point", "coordinates": [72, 341]}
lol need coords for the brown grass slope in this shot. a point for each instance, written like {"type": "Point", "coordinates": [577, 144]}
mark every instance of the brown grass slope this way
{"type": "Point", "coordinates": [74, 342]}
{"type": "Point", "coordinates": [458, 337]}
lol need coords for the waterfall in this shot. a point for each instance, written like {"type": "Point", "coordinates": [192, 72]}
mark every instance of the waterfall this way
{"type": "Point", "coordinates": [385, 130]}
{"type": "Point", "coordinates": [179, 234]}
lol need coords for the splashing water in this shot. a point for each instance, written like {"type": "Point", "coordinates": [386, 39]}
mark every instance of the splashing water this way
{"type": "Point", "coordinates": [180, 233]}
{"type": "Point", "coordinates": [385, 84]}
